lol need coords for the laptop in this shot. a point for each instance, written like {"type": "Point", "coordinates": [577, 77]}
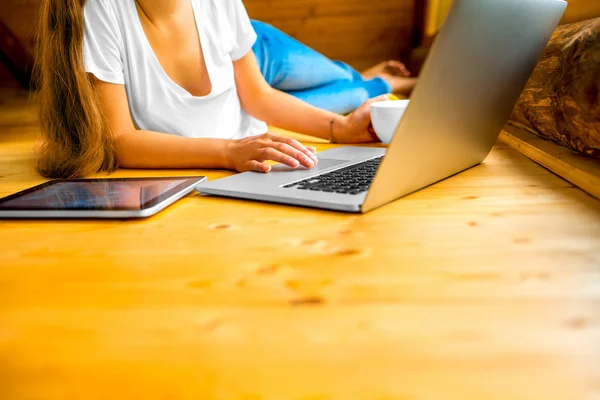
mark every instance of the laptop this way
{"type": "Point", "coordinates": [477, 68]}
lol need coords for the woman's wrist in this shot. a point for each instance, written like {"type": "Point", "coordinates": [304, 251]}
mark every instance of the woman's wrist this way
{"type": "Point", "coordinates": [224, 153]}
{"type": "Point", "coordinates": [337, 127]}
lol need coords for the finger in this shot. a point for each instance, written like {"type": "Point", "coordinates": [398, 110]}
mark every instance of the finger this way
{"type": "Point", "coordinates": [301, 156]}
{"type": "Point", "coordinates": [295, 144]}
{"type": "Point", "coordinates": [362, 115]}
{"type": "Point", "coordinates": [383, 97]}
{"type": "Point", "coordinates": [399, 68]}
{"type": "Point", "coordinates": [392, 67]}
{"type": "Point", "coordinates": [312, 149]}
{"type": "Point", "coordinates": [403, 69]}
{"type": "Point", "coordinates": [272, 154]}
{"type": "Point", "coordinates": [257, 166]}
{"type": "Point", "coordinates": [365, 109]}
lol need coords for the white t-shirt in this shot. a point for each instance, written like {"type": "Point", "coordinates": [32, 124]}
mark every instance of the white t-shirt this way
{"type": "Point", "coordinates": [117, 51]}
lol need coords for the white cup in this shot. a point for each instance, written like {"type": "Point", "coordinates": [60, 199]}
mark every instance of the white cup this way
{"type": "Point", "coordinates": [385, 116]}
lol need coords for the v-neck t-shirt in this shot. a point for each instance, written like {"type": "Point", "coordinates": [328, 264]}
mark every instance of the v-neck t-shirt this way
{"type": "Point", "coordinates": [116, 50]}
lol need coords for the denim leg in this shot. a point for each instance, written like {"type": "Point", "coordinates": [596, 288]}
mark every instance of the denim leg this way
{"type": "Point", "coordinates": [342, 97]}
{"type": "Point", "coordinates": [290, 66]}
{"type": "Point", "coordinates": [356, 76]}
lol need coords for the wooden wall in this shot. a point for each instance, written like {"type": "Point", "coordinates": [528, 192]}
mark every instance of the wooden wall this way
{"type": "Point", "coordinates": [6, 79]}
{"type": "Point", "coordinates": [356, 31]}
{"type": "Point", "coordinates": [19, 17]}
{"type": "Point", "coordinates": [579, 10]}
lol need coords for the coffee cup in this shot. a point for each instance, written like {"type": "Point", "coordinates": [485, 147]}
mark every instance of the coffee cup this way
{"type": "Point", "coordinates": [385, 117]}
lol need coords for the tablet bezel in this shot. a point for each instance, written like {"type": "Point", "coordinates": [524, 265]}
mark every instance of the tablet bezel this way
{"type": "Point", "coordinates": [149, 208]}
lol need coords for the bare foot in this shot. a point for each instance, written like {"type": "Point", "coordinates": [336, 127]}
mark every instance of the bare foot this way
{"type": "Point", "coordinates": [395, 74]}
{"type": "Point", "coordinates": [392, 67]}
{"type": "Point", "coordinates": [400, 85]}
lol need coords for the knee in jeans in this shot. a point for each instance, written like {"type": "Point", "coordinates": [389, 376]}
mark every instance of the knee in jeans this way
{"type": "Point", "coordinates": [260, 26]}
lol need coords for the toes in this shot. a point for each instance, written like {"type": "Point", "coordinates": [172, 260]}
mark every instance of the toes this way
{"type": "Point", "coordinates": [397, 68]}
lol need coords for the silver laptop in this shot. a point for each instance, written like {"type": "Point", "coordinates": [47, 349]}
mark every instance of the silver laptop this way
{"type": "Point", "coordinates": [476, 70]}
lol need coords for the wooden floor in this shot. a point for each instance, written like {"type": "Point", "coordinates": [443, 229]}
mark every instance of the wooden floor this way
{"type": "Point", "coordinates": [485, 286]}
{"type": "Point", "coordinates": [581, 170]}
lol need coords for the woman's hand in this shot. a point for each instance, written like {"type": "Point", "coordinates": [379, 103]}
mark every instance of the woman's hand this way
{"type": "Point", "coordinates": [249, 154]}
{"type": "Point", "coordinates": [355, 127]}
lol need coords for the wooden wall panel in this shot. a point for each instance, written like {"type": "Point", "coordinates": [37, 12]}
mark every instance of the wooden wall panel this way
{"type": "Point", "coordinates": [19, 16]}
{"type": "Point", "coordinates": [6, 79]}
{"type": "Point", "coordinates": [356, 31]}
{"type": "Point", "coordinates": [579, 10]}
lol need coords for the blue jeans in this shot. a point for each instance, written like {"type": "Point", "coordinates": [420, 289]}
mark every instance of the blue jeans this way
{"type": "Point", "coordinates": [292, 67]}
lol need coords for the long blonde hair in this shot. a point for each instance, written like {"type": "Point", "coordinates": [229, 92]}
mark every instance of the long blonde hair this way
{"type": "Point", "coordinates": [76, 138]}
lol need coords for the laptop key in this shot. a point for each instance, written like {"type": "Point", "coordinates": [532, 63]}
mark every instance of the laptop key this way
{"type": "Point", "coordinates": [352, 180]}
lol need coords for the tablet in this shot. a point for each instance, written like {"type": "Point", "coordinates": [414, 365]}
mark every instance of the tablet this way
{"type": "Point", "coordinates": [98, 198]}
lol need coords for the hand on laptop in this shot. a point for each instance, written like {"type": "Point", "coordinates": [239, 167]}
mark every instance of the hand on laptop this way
{"type": "Point", "coordinates": [250, 154]}
{"type": "Point", "coordinates": [355, 127]}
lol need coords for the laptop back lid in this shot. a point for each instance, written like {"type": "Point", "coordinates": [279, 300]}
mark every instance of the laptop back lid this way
{"type": "Point", "coordinates": [477, 68]}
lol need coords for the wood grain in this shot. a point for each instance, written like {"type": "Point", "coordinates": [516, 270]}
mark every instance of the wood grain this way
{"type": "Point", "coordinates": [358, 32]}
{"type": "Point", "coordinates": [580, 10]}
{"type": "Point", "coordinates": [582, 171]}
{"type": "Point", "coordinates": [485, 286]}
{"type": "Point", "coordinates": [15, 57]}
{"type": "Point", "coordinates": [577, 10]}
{"type": "Point", "coordinates": [357, 40]}
{"type": "Point", "coordinates": [6, 78]}
{"type": "Point", "coordinates": [561, 101]}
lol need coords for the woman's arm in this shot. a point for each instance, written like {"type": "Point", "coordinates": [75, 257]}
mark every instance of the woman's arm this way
{"type": "Point", "coordinates": [146, 149]}
{"type": "Point", "coordinates": [280, 109]}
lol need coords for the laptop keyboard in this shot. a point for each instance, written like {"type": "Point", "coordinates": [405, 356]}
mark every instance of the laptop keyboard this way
{"type": "Point", "coordinates": [354, 179]}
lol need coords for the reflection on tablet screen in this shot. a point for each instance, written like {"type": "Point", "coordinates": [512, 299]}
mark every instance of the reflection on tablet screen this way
{"type": "Point", "coordinates": [114, 194]}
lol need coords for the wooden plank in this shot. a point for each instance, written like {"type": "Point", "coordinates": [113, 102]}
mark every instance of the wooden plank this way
{"type": "Point", "coordinates": [357, 32]}
{"type": "Point", "coordinates": [579, 10]}
{"type": "Point", "coordinates": [419, 24]}
{"type": "Point", "coordinates": [6, 78]}
{"type": "Point", "coordinates": [437, 11]}
{"type": "Point", "coordinates": [484, 286]}
{"type": "Point", "coordinates": [350, 31]}
{"type": "Point", "coordinates": [266, 10]}
{"type": "Point", "coordinates": [20, 17]}
{"type": "Point", "coordinates": [378, 37]}
{"type": "Point", "coordinates": [15, 56]}
{"type": "Point", "coordinates": [581, 171]}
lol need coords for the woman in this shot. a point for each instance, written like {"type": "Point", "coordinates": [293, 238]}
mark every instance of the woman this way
{"type": "Point", "coordinates": [175, 84]}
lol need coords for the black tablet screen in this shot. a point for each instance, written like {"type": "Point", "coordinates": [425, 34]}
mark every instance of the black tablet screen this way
{"type": "Point", "coordinates": [97, 194]}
